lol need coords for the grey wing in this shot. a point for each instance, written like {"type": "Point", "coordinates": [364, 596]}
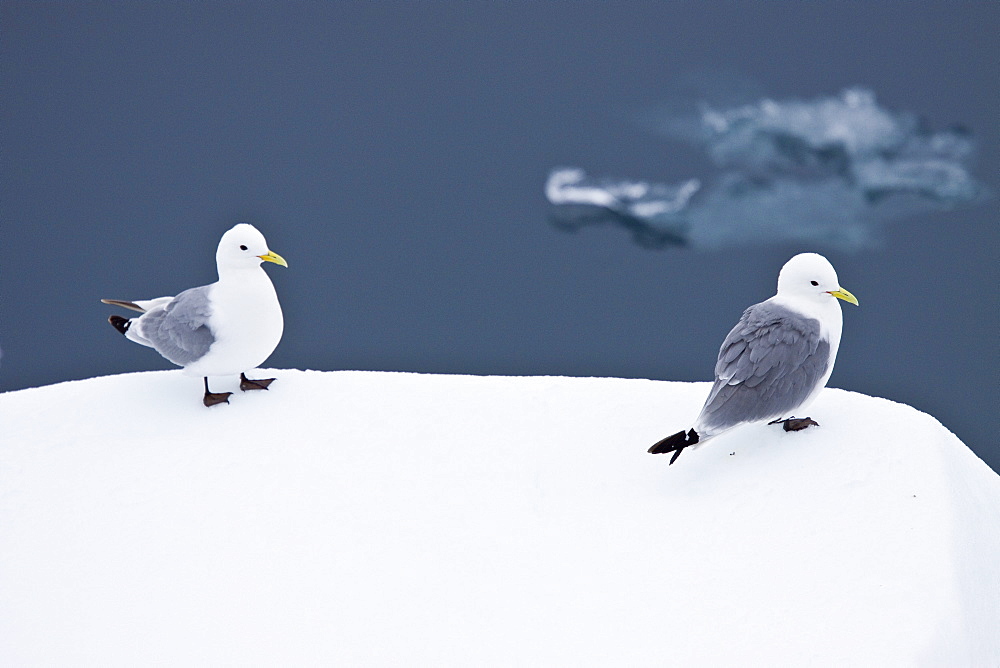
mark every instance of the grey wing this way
{"type": "Point", "coordinates": [179, 330]}
{"type": "Point", "coordinates": [768, 366]}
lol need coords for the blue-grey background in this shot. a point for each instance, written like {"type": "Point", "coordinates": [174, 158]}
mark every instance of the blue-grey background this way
{"type": "Point", "coordinates": [395, 154]}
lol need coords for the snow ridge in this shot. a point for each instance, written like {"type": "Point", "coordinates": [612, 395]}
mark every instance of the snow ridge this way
{"type": "Point", "coordinates": [362, 518]}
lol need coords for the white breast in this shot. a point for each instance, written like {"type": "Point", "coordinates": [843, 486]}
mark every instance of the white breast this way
{"type": "Point", "coordinates": [247, 323]}
{"type": "Point", "coordinates": [831, 325]}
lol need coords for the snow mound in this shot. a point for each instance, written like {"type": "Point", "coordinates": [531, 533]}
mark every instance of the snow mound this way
{"type": "Point", "coordinates": [361, 518]}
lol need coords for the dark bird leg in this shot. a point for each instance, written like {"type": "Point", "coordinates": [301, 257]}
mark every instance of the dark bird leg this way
{"type": "Point", "coordinates": [675, 444]}
{"type": "Point", "coordinates": [213, 398]}
{"type": "Point", "coordinates": [119, 323]}
{"type": "Point", "coordinates": [247, 384]}
{"type": "Point", "coordinates": [795, 424]}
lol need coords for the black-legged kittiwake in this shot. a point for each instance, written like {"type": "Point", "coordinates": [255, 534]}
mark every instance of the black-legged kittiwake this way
{"type": "Point", "coordinates": [777, 358]}
{"type": "Point", "coordinates": [221, 329]}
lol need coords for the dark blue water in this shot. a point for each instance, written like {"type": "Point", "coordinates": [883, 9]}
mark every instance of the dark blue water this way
{"type": "Point", "coordinates": [396, 155]}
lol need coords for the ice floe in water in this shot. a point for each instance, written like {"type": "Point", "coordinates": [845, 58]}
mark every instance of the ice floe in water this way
{"type": "Point", "coordinates": [828, 170]}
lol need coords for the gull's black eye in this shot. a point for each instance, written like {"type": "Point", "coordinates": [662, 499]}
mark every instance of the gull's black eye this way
{"type": "Point", "coordinates": [813, 282]}
{"type": "Point", "coordinates": [242, 247]}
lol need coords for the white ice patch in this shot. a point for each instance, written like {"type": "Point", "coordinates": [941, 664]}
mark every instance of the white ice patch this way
{"type": "Point", "coordinates": [360, 519]}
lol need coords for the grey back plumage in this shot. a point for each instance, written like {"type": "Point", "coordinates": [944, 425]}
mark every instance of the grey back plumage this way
{"type": "Point", "coordinates": [179, 330]}
{"type": "Point", "coordinates": [768, 366]}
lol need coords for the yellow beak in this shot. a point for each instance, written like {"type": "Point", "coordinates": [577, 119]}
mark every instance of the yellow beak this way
{"type": "Point", "coordinates": [277, 259]}
{"type": "Point", "coordinates": [841, 293]}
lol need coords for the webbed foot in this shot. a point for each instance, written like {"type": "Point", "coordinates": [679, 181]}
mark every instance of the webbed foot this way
{"type": "Point", "coordinates": [795, 424]}
{"type": "Point", "coordinates": [213, 398]}
{"type": "Point", "coordinates": [246, 384]}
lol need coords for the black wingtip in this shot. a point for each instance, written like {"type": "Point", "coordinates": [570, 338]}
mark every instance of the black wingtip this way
{"type": "Point", "coordinates": [668, 444]}
{"type": "Point", "coordinates": [119, 323]}
{"type": "Point", "coordinates": [674, 443]}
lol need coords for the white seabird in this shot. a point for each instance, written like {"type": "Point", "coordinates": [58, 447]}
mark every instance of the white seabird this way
{"type": "Point", "coordinates": [777, 358]}
{"type": "Point", "coordinates": [220, 329]}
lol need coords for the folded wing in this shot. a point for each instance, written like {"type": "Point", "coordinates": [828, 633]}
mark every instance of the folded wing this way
{"type": "Point", "coordinates": [768, 366]}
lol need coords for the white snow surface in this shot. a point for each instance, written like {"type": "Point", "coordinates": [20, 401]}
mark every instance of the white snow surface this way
{"type": "Point", "coordinates": [390, 519]}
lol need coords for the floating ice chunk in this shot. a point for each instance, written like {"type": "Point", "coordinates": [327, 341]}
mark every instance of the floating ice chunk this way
{"type": "Point", "coordinates": [829, 169]}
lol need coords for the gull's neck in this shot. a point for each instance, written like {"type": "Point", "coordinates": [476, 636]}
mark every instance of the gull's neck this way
{"type": "Point", "coordinates": [231, 273]}
{"type": "Point", "coordinates": [826, 311]}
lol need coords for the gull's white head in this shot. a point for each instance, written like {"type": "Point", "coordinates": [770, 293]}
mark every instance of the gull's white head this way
{"type": "Point", "coordinates": [244, 247]}
{"type": "Point", "coordinates": [811, 276]}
